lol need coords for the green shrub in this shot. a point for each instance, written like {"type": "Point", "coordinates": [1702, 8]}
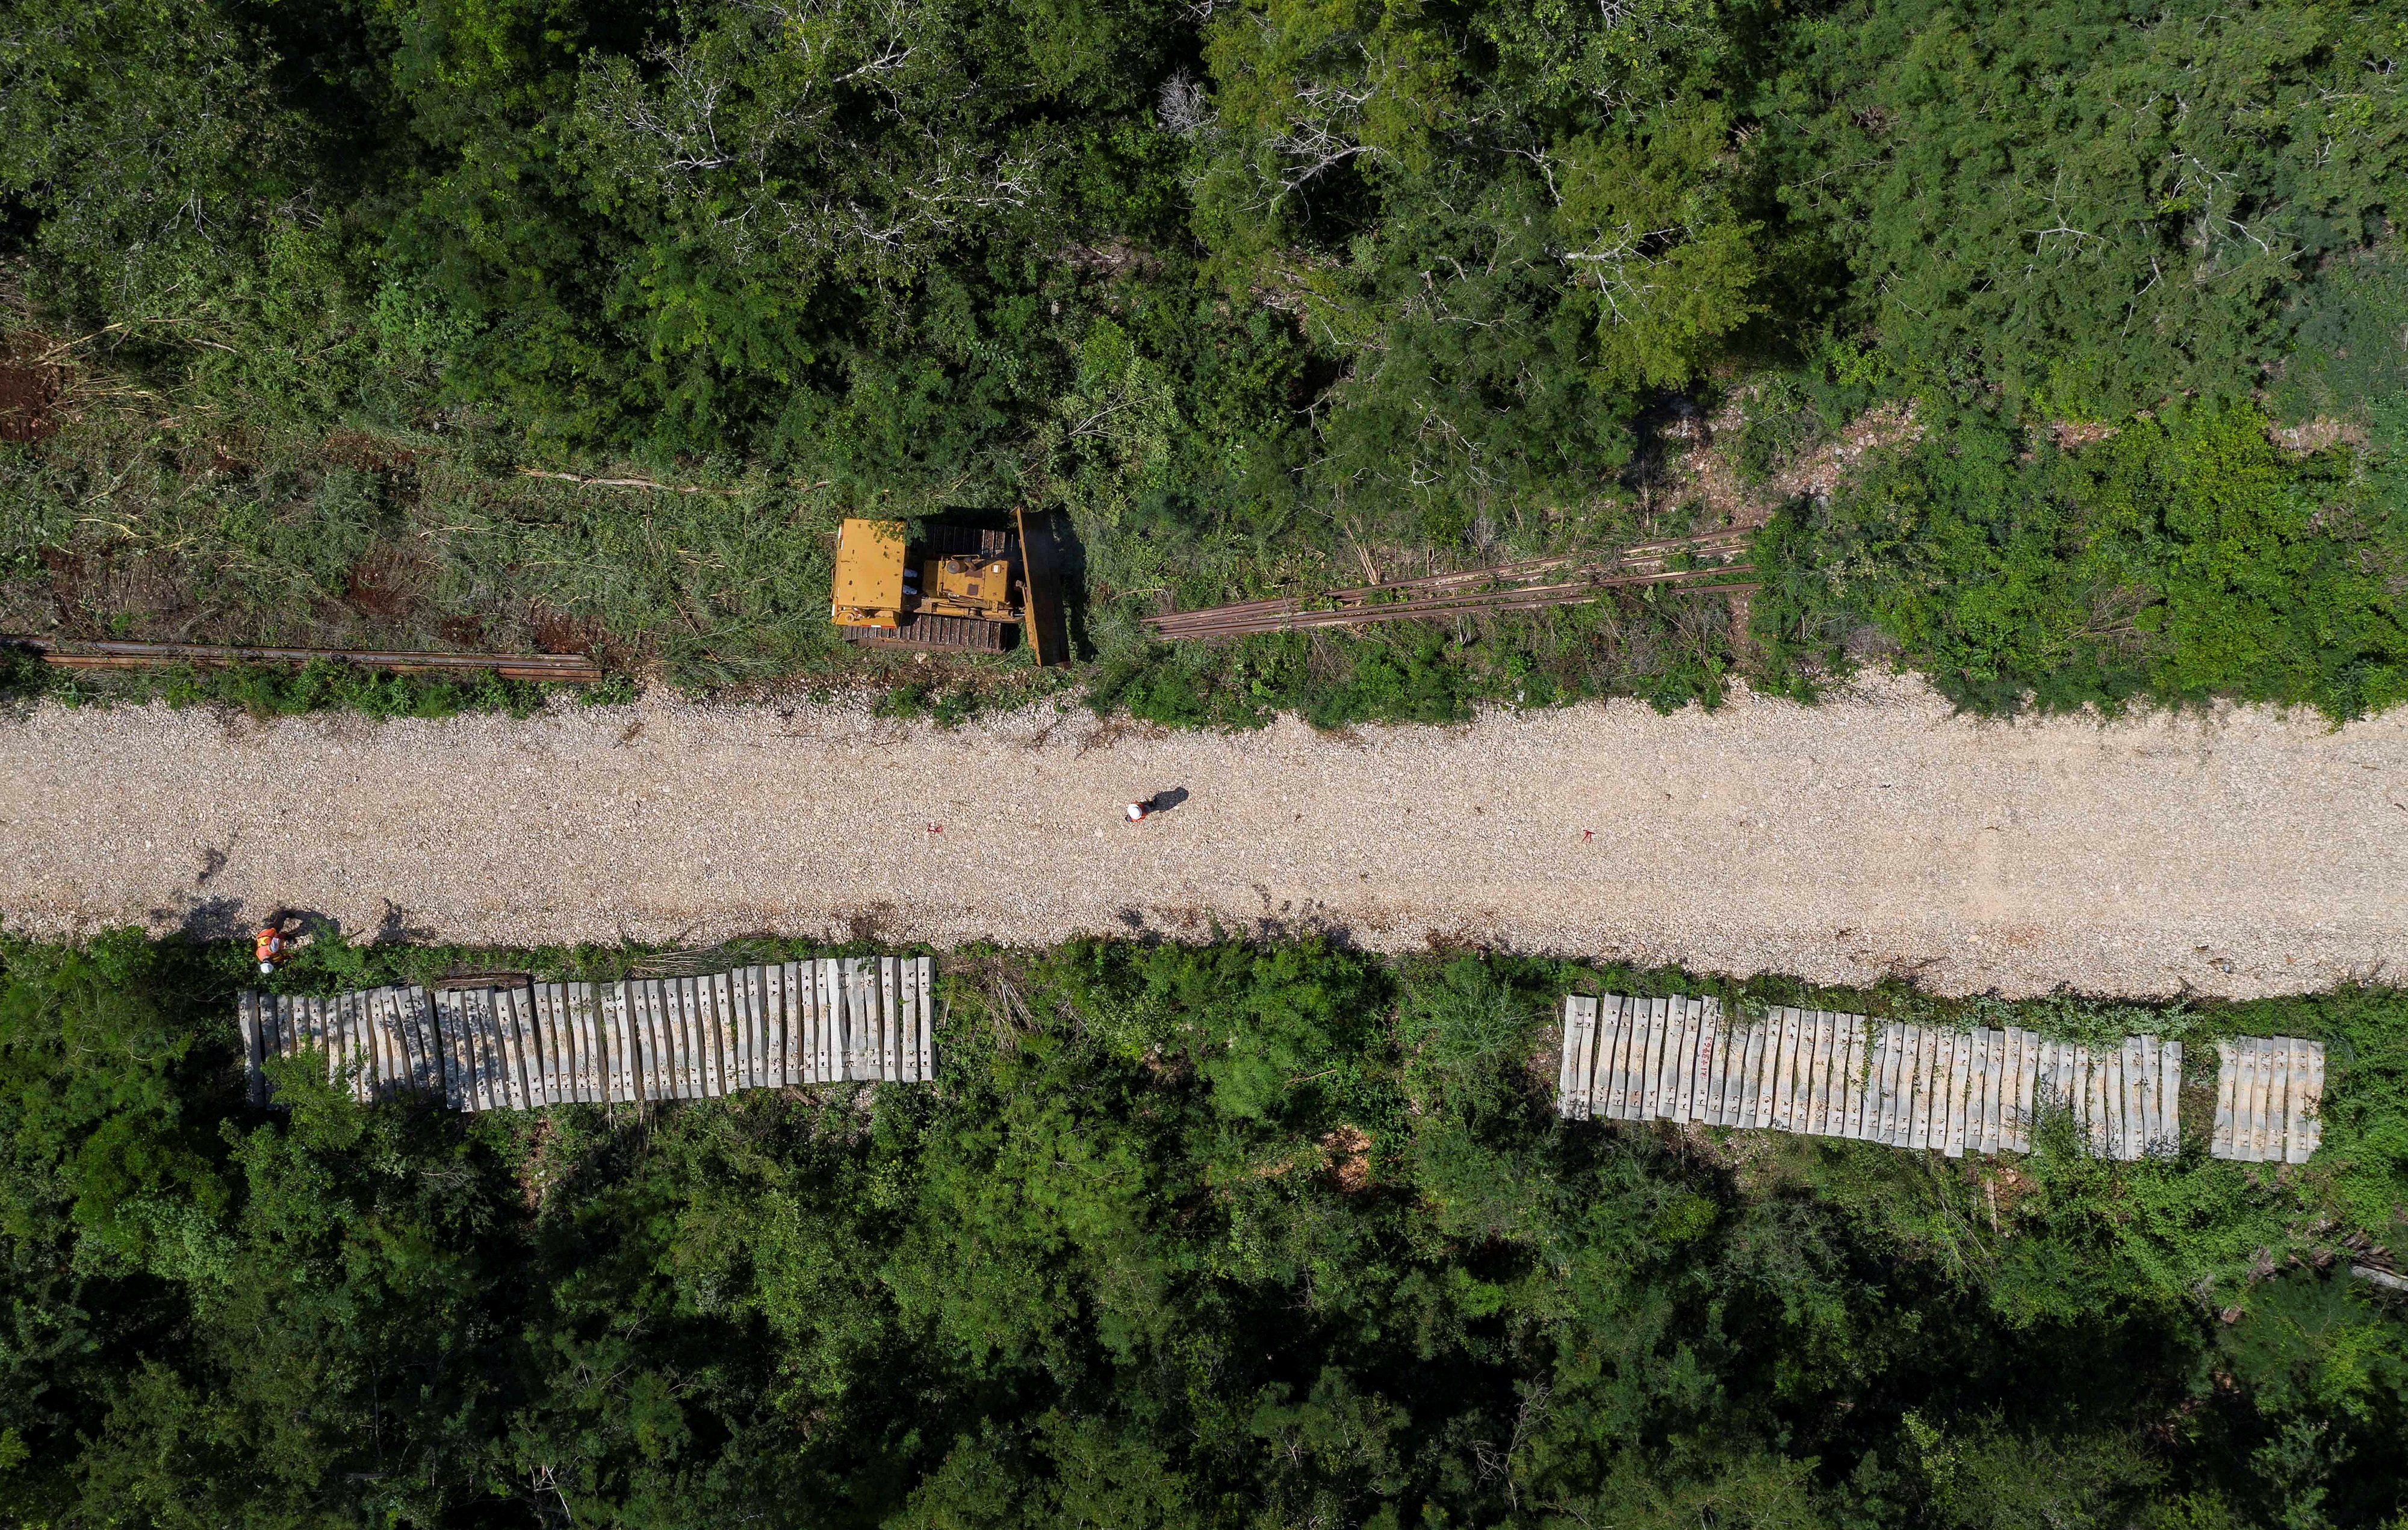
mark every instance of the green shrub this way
{"type": "Point", "coordinates": [1180, 1226]}
{"type": "Point", "coordinates": [291, 691]}
{"type": "Point", "coordinates": [2182, 558]}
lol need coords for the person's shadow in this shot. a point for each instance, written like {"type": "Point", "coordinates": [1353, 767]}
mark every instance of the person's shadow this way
{"type": "Point", "coordinates": [1162, 802]}
{"type": "Point", "coordinates": [303, 927]}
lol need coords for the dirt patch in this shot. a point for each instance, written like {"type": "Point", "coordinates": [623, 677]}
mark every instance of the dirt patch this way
{"type": "Point", "coordinates": [1188, 917]}
{"type": "Point", "coordinates": [1349, 1157]}
{"type": "Point", "coordinates": [1706, 471]}
{"type": "Point", "coordinates": [388, 584]}
{"type": "Point", "coordinates": [540, 1172]}
{"type": "Point", "coordinates": [26, 608]}
{"type": "Point", "coordinates": [63, 573]}
{"type": "Point", "coordinates": [2003, 1190]}
{"type": "Point", "coordinates": [368, 453]}
{"type": "Point", "coordinates": [28, 396]}
{"type": "Point", "coordinates": [2319, 434]}
{"type": "Point", "coordinates": [143, 597]}
{"type": "Point", "coordinates": [1110, 259]}
{"type": "Point", "coordinates": [2073, 435]}
{"type": "Point", "coordinates": [1114, 729]}
{"type": "Point", "coordinates": [871, 926]}
{"type": "Point", "coordinates": [558, 632]}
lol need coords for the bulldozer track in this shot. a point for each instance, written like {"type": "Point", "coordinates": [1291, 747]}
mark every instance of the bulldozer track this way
{"type": "Point", "coordinates": [965, 633]}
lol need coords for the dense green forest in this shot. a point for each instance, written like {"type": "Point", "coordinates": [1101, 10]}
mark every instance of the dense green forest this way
{"type": "Point", "coordinates": [2059, 349]}
{"type": "Point", "coordinates": [1231, 1236]}
{"type": "Point", "coordinates": [1264, 294]}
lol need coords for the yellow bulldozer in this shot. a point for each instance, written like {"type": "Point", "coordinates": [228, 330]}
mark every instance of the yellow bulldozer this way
{"type": "Point", "coordinates": [959, 587]}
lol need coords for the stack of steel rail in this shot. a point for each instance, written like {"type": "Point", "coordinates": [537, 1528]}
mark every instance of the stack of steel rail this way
{"type": "Point", "coordinates": [1712, 561]}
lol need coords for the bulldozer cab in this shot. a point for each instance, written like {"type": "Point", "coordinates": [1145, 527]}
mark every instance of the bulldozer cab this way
{"type": "Point", "coordinates": [958, 587]}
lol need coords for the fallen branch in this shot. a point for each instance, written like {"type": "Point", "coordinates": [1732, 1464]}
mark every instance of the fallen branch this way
{"type": "Point", "coordinates": [623, 483]}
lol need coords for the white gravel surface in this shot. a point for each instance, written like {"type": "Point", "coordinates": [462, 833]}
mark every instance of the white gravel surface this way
{"type": "Point", "coordinates": [2243, 853]}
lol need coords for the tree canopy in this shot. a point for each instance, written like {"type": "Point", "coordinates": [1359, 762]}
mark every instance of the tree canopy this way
{"type": "Point", "coordinates": [1219, 1235]}
{"type": "Point", "coordinates": [1250, 288]}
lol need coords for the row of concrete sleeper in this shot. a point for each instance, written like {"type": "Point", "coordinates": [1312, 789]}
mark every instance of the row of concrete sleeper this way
{"type": "Point", "coordinates": [2268, 1095]}
{"type": "Point", "coordinates": [516, 1046]}
{"type": "Point", "coordinates": [1822, 1074]}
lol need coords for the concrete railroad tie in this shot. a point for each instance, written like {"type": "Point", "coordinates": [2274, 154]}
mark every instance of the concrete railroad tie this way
{"type": "Point", "coordinates": [522, 1047]}
{"type": "Point", "coordinates": [1821, 1074]}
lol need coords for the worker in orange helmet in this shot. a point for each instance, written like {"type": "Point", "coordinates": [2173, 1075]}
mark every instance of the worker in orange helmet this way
{"type": "Point", "coordinates": [271, 947]}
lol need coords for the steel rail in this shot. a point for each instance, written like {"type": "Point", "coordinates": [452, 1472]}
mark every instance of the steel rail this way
{"type": "Point", "coordinates": [1228, 624]}
{"type": "Point", "coordinates": [75, 653]}
{"type": "Point", "coordinates": [1506, 574]}
{"type": "Point", "coordinates": [1316, 621]}
{"type": "Point", "coordinates": [1638, 554]}
{"type": "Point", "coordinates": [1595, 582]}
{"type": "Point", "coordinates": [1179, 622]}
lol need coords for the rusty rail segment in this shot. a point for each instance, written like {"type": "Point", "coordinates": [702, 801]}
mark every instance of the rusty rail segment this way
{"type": "Point", "coordinates": [1522, 598]}
{"type": "Point", "coordinates": [70, 653]}
{"type": "Point", "coordinates": [1511, 587]}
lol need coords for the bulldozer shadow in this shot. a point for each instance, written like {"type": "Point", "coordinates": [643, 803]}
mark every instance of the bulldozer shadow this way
{"type": "Point", "coordinates": [1065, 563]}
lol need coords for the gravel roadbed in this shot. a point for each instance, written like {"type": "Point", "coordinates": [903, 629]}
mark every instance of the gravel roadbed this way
{"type": "Point", "coordinates": [2241, 852]}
